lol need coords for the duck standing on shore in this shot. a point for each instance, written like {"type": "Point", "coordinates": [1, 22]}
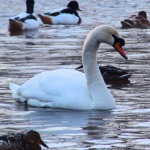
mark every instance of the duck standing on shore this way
{"type": "Point", "coordinates": [65, 16]}
{"type": "Point", "coordinates": [24, 21]}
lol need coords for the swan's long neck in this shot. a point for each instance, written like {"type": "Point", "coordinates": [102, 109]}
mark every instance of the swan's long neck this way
{"type": "Point", "coordinates": [101, 97]}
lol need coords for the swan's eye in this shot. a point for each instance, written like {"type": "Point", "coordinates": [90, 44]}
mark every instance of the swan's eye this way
{"type": "Point", "coordinates": [118, 40]}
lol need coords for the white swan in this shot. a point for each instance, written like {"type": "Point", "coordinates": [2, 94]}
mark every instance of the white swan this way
{"type": "Point", "coordinates": [71, 89]}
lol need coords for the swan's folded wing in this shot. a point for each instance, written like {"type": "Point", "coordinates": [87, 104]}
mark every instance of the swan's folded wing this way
{"type": "Point", "coordinates": [52, 85]}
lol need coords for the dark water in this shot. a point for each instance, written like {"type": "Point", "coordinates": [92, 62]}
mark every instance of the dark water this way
{"type": "Point", "coordinates": [22, 55]}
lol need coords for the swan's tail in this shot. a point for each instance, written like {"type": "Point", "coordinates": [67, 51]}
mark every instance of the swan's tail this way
{"type": "Point", "coordinates": [14, 89]}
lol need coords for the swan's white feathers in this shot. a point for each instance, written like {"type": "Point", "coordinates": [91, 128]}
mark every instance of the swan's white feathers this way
{"type": "Point", "coordinates": [14, 88]}
{"type": "Point", "coordinates": [52, 86]}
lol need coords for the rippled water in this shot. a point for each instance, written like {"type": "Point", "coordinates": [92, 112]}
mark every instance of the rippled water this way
{"type": "Point", "coordinates": [22, 55]}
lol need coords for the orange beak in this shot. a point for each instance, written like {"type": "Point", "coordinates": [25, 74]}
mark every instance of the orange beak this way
{"type": "Point", "coordinates": [120, 50]}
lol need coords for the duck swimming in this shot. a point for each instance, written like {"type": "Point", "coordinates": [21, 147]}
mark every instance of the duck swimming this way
{"type": "Point", "coordinates": [66, 16]}
{"type": "Point", "coordinates": [111, 73]}
{"type": "Point", "coordinates": [69, 88]}
{"type": "Point", "coordinates": [30, 140]}
{"type": "Point", "coordinates": [136, 21]}
{"type": "Point", "coordinates": [24, 21]}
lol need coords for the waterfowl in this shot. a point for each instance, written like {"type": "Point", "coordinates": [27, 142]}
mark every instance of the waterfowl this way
{"type": "Point", "coordinates": [69, 88]}
{"type": "Point", "coordinates": [66, 16]}
{"type": "Point", "coordinates": [111, 73]}
{"type": "Point", "coordinates": [136, 21]}
{"type": "Point", "coordinates": [24, 21]}
{"type": "Point", "coordinates": [29, 140]}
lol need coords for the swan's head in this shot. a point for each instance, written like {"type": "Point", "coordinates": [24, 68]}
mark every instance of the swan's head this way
{"type": "Point", "coordinates": [118, 43]}
{"type": "Point", "coordinates": [109, 35]}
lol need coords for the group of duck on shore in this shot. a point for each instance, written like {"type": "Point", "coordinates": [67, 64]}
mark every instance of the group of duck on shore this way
{"type": "Point", "coordinates": [66, 88]}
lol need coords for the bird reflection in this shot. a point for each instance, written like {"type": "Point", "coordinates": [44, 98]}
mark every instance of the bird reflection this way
{"type": "Point", "coordinates": [56, 124]}
{"type": "Point", "coordinates": [28, 33]}
{"type": "Point", "coordinates": [97, 124]}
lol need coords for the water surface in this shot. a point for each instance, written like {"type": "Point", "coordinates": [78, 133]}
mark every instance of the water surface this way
{"type": "Point", "coordinates": [22, 55]}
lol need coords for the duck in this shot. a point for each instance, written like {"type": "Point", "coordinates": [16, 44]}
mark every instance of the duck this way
{"type": "Point", "coordinates": [24, 21]}
{"type": "Point", "coordinates": [111, 73]}
{"type": "Point", "coordinates": [69, 88]}
{"type": "Point", "coordinates": [65, 16]}
{"type": "Point", "coordinates": [29, 140]}
{"type": "Point", "coordinates": [136, 21]}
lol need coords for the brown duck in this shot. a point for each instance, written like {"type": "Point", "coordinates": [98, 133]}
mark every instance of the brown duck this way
{"type": "Point", "coordinates": [29, 140]}
{"type": "Point", "coordinates": [136, 21]}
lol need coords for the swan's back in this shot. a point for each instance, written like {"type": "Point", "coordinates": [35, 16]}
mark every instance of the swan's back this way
{"type": "Point", "coordinates": [57, 88]}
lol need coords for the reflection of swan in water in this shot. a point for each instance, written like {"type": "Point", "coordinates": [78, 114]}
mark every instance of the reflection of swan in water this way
{"type": "Point", "coordinates": [62, 127]}
{"type": "Point", "coordinates": [72, 118]}
{"type": "Point", "coordinates": [96, 127]}
{"type": "Point", "coordinates": [68, 88]}
{"type": "Point", "coordinates": [28, 33]}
